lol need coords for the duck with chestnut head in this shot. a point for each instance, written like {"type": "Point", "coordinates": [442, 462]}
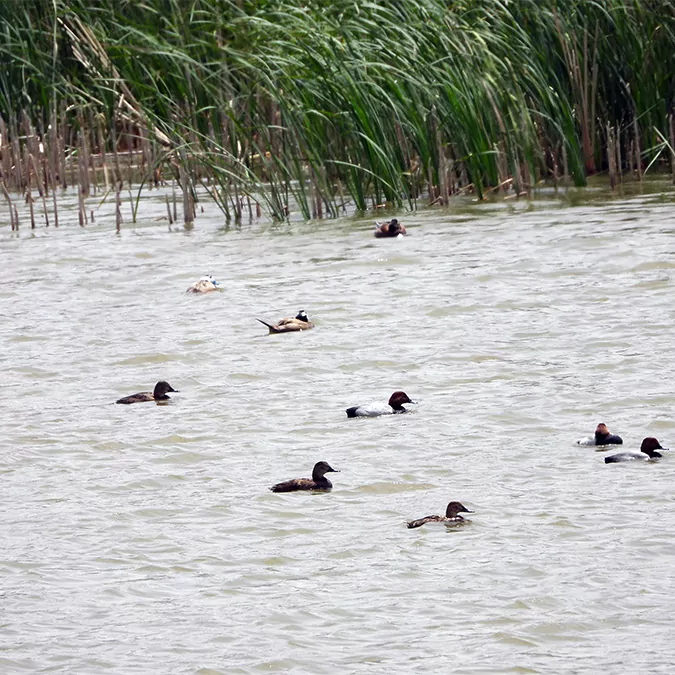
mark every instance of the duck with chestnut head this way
{"type": "Point", "coordinates": [396, 401]}
{"type": "Point", "coordinates": [391, 228]}
{"type": "Point", "coordinates": [648, 452]}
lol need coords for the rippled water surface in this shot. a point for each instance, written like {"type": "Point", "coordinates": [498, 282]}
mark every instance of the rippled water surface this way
{"type": "Point", "coordinates": [143, 539]}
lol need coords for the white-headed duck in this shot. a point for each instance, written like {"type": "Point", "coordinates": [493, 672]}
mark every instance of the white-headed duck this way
{"type": "Point", "coordinates": [648, 451]}
{"type": "Point", "coordinates": [159, 394]}
{"type": "Point", "coordinates": [451, 516]}
{"type": "Point", "coordinates": [318, 481]}
{"type": "Point", "coordinates": [299, 322]}
{"type": "Point", "coordinates": [602, 436]}
{"type": "Point", "coordinates": [396, 401]}
{"type": "Point", "coordinates": [392, 228]}
{"type": "Point", "coordinates": [205, 285]}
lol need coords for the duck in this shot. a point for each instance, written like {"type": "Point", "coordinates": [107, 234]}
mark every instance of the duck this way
{"type": "Point", "coordinates": [318, 481]}
{"type": "Point", "coordinates": [159, 394]}
{"type": "Point", "coordinates": [602, 436]}
{"type": "Point", "coordinates": [205, 285]}
{"type": "Point", "coordinates": [396, 401]}
{"type": "Point", "coordinates": [648, 451]}
{"type": "Point", "coordinates": [451, 516]}
{"type": "Point", "coordinates": [299, 322]}
{"type": "Point", "coordinates": [392, 228]}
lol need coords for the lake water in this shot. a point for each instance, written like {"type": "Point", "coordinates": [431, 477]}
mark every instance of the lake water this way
{"type": "Point", "coordinates": [143, 539]}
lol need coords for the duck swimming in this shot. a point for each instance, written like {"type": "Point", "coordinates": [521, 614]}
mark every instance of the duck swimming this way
{"type": "Point", "coordinates": [396, 401]}
{"type": "Point", "coordinates": [601, 437]}
{"type": "Point", "coordinates": [318, 481]}
{"type": "Point", "coordinates": [205, 285]}
{"type": "Point", "coordinates": [299, 322]}
{"type": "Point", "coordinates": [648, 451]}
{"type": "Point", "coordinates": [451, 516]}
{"type": "Point", "coordinates": [391, 228]}
{"type": "Point", "coordinates": [159, 394]}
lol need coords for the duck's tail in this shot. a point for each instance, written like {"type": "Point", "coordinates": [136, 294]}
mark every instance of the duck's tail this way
{"type": "Point", "coordinates": [416, 523]}
{"type": "Point", "coordinates": [269, 325]}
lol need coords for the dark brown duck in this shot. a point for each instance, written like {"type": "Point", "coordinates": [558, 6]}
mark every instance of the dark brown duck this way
{"type": "Point", "coordinates": [159, 394]}
{"type": "Point", "coordinates": [318, 481]}
{"type": "Point", "coordinates": [451, 516]}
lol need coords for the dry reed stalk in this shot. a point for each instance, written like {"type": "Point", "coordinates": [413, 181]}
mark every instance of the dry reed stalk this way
{"type": "Point", "coordinates": [146, 154]}
{"type": "Point", "coordinates": [585, 90]}
{"type": "Point", "coordinates": [175, 204]}
{"type": "Point", "coordinates": [236, 202]}
{"type": "Point", "coordinates": [188, 206]}
{"type": "Point", "coordinates": [16, 217]}
{"type": "Point", "coordinates": [60, 147]}
{"type": "Point", "coordinates": [130, 152]}
{"type": "Point", "coordinates": [53, 146]}
{"type": "Point", "coordinates": [102, 153]}
{"type": "Point", "coordinates": [31, 209]}
{"type": "Point", "coordinates": [517, 177]}
{"type": "Point", "coordinates": [638, 158]}
{"type": "Point", "coordinates": [118, 207]}
{"type": "Point", "coordinates": [671, 128]}
{"type": "Point", "coordinates": [443, 192]}
{"type": "Point", "coordinates": [52, 158]}
{"type": "Point", "coordinates": [553, 156]}
{"type": "Point", "coordinates": [90, 159]}
{"type": "Point", "coordinates": [81, 181]}
{"type": "Point", "coordinates": [617, 144]}
{"type": "Point", "coordinates": [502, 165]}
{"type": "Point", "coordinates": [341, 192]}
{"type": "Point", "coordinates": [19, 183]}
{"type": "Point", "coordinates": [319, 202]}
{"type": "Point", "coordinates": [56, 211]}
{"type": "Point", "coordinates": [30, 158]}
{"type": "Point", "coordinates": [5, 151]}
{"type": "Point", "coordinates": [314, 191]}
{"type": "Point", "coordinates": [15, 226]}
{"type": "Point", "coordinates": [528, 180]}
{"type": "Point", "coordinates": [168, 209]}
{"type": "Point", "coordinates": [431, 190]}
{"type": "Point", "coordinates": [43, 166]}
{"type": "Point", "coordinates": [611, 157]}
{"type": "Point", "coordinates": [29, 186]}
{"type": "Point", "coordinates": [41, 192]}
{"type": "Point", "coordinates": [81, 215]}
{"type": "Point", "coordinates": [116, 163]}
{"type": "Point", "coordinates": [30, 201]}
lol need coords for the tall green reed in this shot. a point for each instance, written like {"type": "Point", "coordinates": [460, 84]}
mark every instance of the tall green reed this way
{"type": "Point", "coordinates": [309, 105]}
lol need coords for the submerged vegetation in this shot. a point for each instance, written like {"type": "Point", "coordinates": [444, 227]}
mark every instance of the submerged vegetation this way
{"type": "Point", "coordinates": [320, 103]}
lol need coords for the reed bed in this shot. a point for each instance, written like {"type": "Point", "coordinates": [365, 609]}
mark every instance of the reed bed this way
{"type": "Point", "coordinates": [324, 107]}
